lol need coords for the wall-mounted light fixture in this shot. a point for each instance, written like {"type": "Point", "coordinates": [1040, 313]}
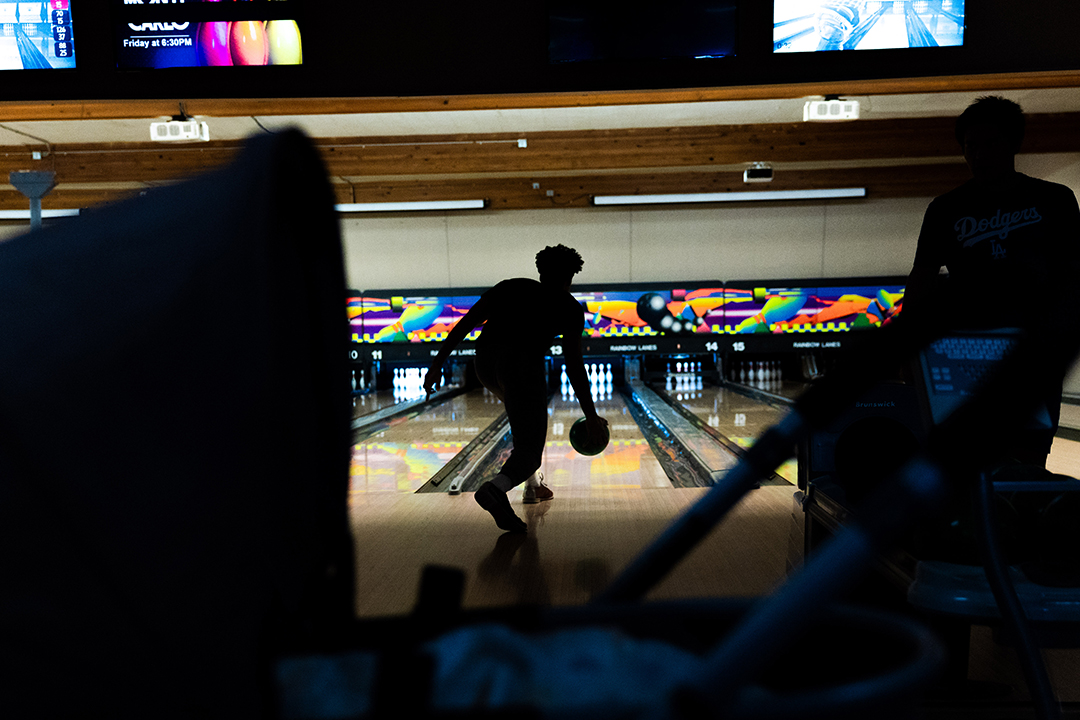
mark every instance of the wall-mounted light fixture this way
{"type": "Point", "coordinates": [411, 206]}
{"type": "Point", "coordinates": [744, 196]}
{"type": "Point", "coordinates": [25, 214]}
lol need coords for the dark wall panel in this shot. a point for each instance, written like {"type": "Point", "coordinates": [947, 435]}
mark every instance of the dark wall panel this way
{"type": "Point", "coordinates": [354, 48]}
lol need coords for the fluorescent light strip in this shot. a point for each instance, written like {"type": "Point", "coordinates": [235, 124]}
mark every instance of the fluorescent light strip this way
{"type": "Point", "coordinates": [730, 196]}
{"type": "Point", "coordinates": [25, 214]}
{"type": "Point", "coordinates": [406, 206]}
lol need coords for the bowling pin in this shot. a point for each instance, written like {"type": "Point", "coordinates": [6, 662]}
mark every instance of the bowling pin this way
{"type": "Point", "coordinates": [212, 44]}
{"type": "Point", "coordinates": [608, 376]}
{"type": "Point", "coordinates": [247, 43]}
{"type": "Point", "coordinates": [283, 38]}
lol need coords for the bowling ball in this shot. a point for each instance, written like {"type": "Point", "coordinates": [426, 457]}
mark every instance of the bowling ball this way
{"type": "Point", "coordinates": [652, 308]}
{"type": "Point", "coordinates": [579, 439]}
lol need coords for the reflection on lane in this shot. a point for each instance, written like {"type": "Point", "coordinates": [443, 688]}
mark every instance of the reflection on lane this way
{"type": "Point", "coordinates": [405, 456]}
{"type": "Point", "coordinates": [740, 418]}
{"type": "Point", "coordinates": [373, 401]}
{"type": "Point", "coordinates": [789, 389]}
{"type": "Point", "coordinates": [627, 462]}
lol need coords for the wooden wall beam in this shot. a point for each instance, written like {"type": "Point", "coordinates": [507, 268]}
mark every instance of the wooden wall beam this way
{"type": "Point", "coordinates": [233, 107]}
{"type": "Point", "coordinates": [577, 191]}
{"type": "Point", "coordinates": [555, 152]}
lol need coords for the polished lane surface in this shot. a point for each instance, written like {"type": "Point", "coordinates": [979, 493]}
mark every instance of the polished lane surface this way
{"type": "Point", "coordinates": [737, 416]}
{"type": "Point", "coordinates": [627, 462]}
{"type": "Point", "coordinates": [372, 402]}
{"type": "Point", "coordinates": [405, 455]}
{"type": "Point", "coordinates": [605, 510]}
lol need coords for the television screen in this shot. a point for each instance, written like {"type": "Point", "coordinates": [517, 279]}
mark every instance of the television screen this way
{"type": "Point", "coordinates": [763, 309]}
{"type": "Point", "coordinates": [204, 34]}
{"type": "Point", "coordinates": [597, 30]}
{"type": "Point", "coordinates": [647, 310]}
{"type": "Point", "coordinates": [383, 317]}
{"type": "Point", "coordinates": [825, 308]}
{"type": "Point", "coordinates": [819, 25]}
{"type": "Point", "coordinates": [36, 35]}
{"type": "Point", "coordinates": [854, 307]}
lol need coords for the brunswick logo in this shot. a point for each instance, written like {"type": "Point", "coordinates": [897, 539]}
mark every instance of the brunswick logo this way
{"type": "Point", "coordinates": [888, 403]}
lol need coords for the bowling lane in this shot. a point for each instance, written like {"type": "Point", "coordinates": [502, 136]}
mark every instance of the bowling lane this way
{"type": "Point", "coordinates": [627, 462]}
{"type": "Point", "coordinates": [786, 389]}
{"type": "Point", "coordinates": [789, 389]}
{"type": "Point", "coordinates": [9, 54]}
{"type": "Point", "coordinates": [372, 402]}
{"type": "Point", "coordinates": [405, 455]}
{"type": "Point", "coordinates": [739, 417]}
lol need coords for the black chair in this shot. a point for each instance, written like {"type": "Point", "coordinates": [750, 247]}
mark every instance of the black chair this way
{"type": "Point", "coordinates": [174, 444]}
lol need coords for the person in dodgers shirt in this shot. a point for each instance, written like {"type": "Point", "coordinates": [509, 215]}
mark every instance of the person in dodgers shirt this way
{"type": "Point", "coordinates": [1010, 244]}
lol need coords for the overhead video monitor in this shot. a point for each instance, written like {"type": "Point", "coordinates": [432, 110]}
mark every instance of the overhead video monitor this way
{"type": "Point", "coordinates": [822, 25]}
{"type": "Point", "coordinates": [860, 305]}
{"type": "Point", "coordinates": [651, 309]}
{"type": "Point", "coordinates": [604, 30]}
{"type": "Point", "coordinates": [828, 306]}
{"type": "Point", "coordinates": [36, 35]}
{"type": "Point", "coordinates": [206, 33]}
{"type": "Point", "coordinates": [384, 316]}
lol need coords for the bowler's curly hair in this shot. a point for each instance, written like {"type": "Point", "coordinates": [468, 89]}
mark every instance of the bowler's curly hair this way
{"type": "Point", "coordinates": [993, 110]}
{"type": "Point", "coordinates": [559, 262]}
